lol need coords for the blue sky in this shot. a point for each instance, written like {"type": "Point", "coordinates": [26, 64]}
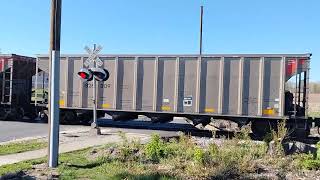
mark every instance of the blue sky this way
{"type": "Point", "coordinates": [166, 26]}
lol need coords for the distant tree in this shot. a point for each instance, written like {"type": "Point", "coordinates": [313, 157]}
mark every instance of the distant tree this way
{"type": "Point", "coordinates": [315, 87]}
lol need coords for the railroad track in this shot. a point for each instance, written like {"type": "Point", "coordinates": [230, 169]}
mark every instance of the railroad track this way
{"type": "Point", "coordinates": [188, 129]}
{"type": "Point", "coordinates": [309, 140]}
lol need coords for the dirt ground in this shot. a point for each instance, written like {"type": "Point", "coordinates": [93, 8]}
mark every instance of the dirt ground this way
{"type": "Point", "coordinates": [314, 103]}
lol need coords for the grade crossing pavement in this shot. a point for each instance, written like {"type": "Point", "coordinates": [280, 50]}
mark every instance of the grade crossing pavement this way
{"type": "Point", "coordinates": [11, 130]}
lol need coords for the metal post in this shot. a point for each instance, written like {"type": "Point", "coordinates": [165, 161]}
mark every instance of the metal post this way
{"type": "Point", "coordinates": [304, 99]}
{"type": "Point", "coordinates": [36, 85]}
{"type": "Point", "coordinates": [296, 91]}
{"type": "Point", "coordinates": [54, 83]}
{"type": "Point", "coordinates": [43, 94]}
{"type": "Point", "coordinates": [201, 23]}
{"type": "Point", "coordinates": [94, 96]}
{"type": "Point", "coordinates": [94, 124]}
{"type": "Point", "coordinates": [94, 103]}
{"type": "Point", "coordinates": [299, 89]}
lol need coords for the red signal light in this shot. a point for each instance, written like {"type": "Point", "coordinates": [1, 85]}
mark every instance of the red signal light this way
{"type": "Point", "coordinates": [85, 74]}
{"type": "Point", "coordinates": [98, 73]}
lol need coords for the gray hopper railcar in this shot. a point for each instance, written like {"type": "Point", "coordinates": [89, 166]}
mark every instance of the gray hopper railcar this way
{"type": "Point", "coordinates": [15, 86]}
{"type": "Point", "coordinates": [239, 87]}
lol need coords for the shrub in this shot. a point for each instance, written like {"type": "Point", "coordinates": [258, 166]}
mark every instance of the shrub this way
{"type": "Point", "coordinates": [236, 157]}
{"type": "Point", "coordinates": [244, 134]}
{"type": "Point", "coordinates": [282, 131]}
{"type": "Point", "coordinates": [198, 155]}
{"type": "Point", "coordinates": [277, 138]}
{"type": "Point", "coordinates": [309, 161]}
{"type": "Point", "coordinates": [318, 151]}
{"type": "Point", "coordinates": [182, 148]}
{"type": "Point", "coordinates": [129, 149]}
{"type": "Point", "coordinates": [213, 149]}
{"type": "Point", "coordinates": [156, 148]}
{"type": "Point", "coordinates": [311, 164]}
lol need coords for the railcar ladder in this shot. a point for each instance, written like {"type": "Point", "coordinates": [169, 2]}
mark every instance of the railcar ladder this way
{"type": "Point", "coordinates": [7, 86]}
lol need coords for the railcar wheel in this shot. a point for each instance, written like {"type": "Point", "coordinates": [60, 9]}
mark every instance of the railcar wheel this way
{"type": "Point", "coordinates": [117, 117]}
{"type": "Point", "coordinates": [31, 115]}
{"type": "Point", "coordinates": [299, 132]}
{"type": "Point", "coordinates": [203, 121]}
{"type": "Point", "coordinates": [261, 128]}
{"type": "Point", "coordinates": [68, 117]}
{"type": "Point", "coordinates": [85, 118]}
{"type": "Point", "coordinates": [124, 116]}
{"type": "Point", "coordinates": [43, 117]}
{"type": "Point", "coordinates": [15, 114]}
{"type": "Point", "coordinates": [161, 119]}
{"type": "Point", "coordinates": [20, 113]}
{"type": "Point", "coordinates": [8, 116]}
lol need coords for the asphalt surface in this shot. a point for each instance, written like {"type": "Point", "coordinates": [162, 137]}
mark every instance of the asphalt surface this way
{"type": "Point", "coordinates": [10, 130]}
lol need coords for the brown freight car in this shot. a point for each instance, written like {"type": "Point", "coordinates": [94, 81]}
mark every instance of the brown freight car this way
{"type": "Point", "coordinates": [15, 86]}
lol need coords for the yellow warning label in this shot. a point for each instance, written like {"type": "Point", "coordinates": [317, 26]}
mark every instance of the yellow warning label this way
{"type": "Point", "coordinates": [269, 111]}
{"type": "Point", "coordinates": [106, 105]}
{"type": "Point", "coordinates": [165, 108]}
{"type": "Point", "coordinates": [61, 102]}
{"type": "Point", "coordinates": [209, 110]}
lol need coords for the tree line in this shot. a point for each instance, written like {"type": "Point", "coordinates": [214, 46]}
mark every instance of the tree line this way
{"type": "Point", "coordinates": [314, 87]}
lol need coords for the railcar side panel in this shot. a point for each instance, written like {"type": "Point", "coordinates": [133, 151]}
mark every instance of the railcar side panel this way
{"type": "Point", "coordinates": [145, 83]}
{"type": "Point", "coordinates": [231, 87]}
{"type": "Point", "coordinates": [166, 100]}
{"type": "Point", "coordinates": [187, 84]}
{"type": "Point", "coordinates": [251, 89]}
{"type": "Point", "coordinates": [219, 85]}
{"type": "Point", "coordinates": [272, 85]}
{"type": "Point", "coordinates": [106, 89]}
{"type": "Point", "coordinates": [125, 83]}
{"type": "Point", "coordinates": [210, 68]}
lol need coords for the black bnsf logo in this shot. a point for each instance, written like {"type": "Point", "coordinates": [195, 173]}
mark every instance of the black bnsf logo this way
{"type": "Point", "coordinates": [90, 85]}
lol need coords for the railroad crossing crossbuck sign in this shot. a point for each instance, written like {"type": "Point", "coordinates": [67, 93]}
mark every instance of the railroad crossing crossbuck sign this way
{"type": "Point", "coordinates": [93, 72]}
{"type": "Point", "coordinates": [92, 63]}
{"type": "Point", "coordinates": [93, 56]}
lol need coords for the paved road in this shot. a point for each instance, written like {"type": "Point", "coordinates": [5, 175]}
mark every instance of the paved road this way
{"type": "Point", "coordinates": [15, 130]}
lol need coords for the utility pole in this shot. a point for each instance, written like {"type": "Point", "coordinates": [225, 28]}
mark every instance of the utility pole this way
{"type": "Point", "coordinates": [54, 83]}
{"type": "Point", "coordinates": [201, 23]}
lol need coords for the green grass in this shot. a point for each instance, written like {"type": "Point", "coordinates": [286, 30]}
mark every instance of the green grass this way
{"type": "Point", "coordinates": [310, 161]}
{"type": "Point", "coordinates": [18, 147]}
{"type": "Point", "coordinates": [177, 159]}
{"type": "Point", "coordinates": [22, 166]}
{"type": "Point", "coordinates": [102, 169]}
{"type": "Point", "coordinates": [12, 168]}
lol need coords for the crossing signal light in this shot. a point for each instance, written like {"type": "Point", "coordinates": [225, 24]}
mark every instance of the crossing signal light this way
{"type": "Point", "coordinates": [85, 74]}
{"type": "Point", "coordinates": [100, 74]}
